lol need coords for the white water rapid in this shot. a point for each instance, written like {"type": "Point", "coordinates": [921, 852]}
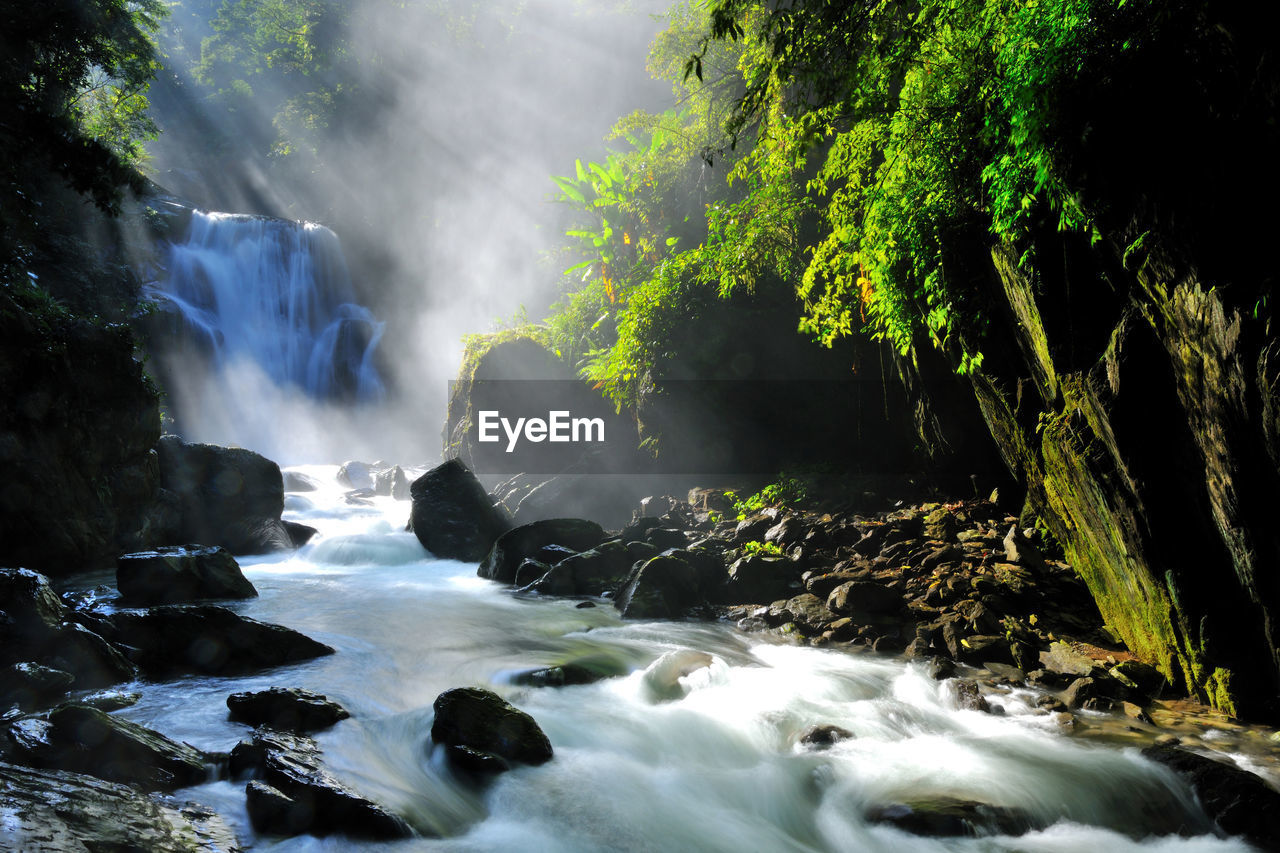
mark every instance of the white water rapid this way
{"type": "Point", "coordinates": [647, 760]}
{"type": "Point", "coordinates": [266, 328]}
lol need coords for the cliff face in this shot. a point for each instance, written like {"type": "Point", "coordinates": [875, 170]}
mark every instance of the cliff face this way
{"type": "Point", "coordinates": [78, 472]}
{"type": "Point", "coordinates": [1139, 407]}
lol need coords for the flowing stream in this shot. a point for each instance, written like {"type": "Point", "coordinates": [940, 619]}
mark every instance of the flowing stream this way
{"type": "Point", "coordinates": [645, 760]}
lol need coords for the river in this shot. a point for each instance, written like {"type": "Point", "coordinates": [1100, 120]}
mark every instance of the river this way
{"type": "Point", "coordinates": [643, 761]}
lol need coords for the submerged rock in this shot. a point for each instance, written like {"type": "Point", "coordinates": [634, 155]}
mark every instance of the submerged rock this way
{"type": "Point", "coordinates": [452, 515]}
{"type": "Point", "coordinates": [176, 574]}
{"type": "Point", "coordinates": [289, 709]}
{"type": "Point", "coordinates": [821, 737]}
{"type": "Point", "coordinates": [529, 541]}
{"type": "Point", "coordinates": [948, 817]}
{"type": "Point", "coordinates": [209, 639]}
{"type": "Point", "coordinates": [294, 793]}
{"type": "Point", "coordinates": [81, 739]}
{"type": "Point", "coordinates": [484, 722]}
{"type": "Point", "coordinates": [59, 812]}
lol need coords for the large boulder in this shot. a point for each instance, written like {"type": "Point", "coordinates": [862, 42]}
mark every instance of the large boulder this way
{"type": "Point", "coordinates": [293, 793]}
{"type": "Point", "coordinates": [759, 579]}
{"type": "Point", "coordinates": [597, 571]}
{"type": "Point", "coordinates": [180, 573]}
{"type": "Point", "coordinates": [452, 515]}
{"type": "Point", "coordinates": [209, 639]}
{"type": "Point", "coordinates": [666, 587]}
{"type": "Point", "coordinates": [527, 541]}
{"type": "Point", "coordinates": [85, 740]}
{"type": "Point", "coordinates": [289, 709]}
{"type": "Point", "coordinates": [472, 723]}
{"type": "Point", "coordinates": [225, 496]}
{"type": "Point", "coordinates": [1240, 801]}
{"type": "Point", "coordinates": [54, 811]}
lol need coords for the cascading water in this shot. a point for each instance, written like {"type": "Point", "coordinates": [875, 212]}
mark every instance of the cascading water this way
{"type": "Point", "coordinates": [263, 319]}
{"type": "Point", "coordinates": [693, 746]}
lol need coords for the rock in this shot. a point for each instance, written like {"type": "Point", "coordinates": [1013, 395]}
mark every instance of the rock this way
{"type": "Point", "coordinates": [662, 677]}
{"type": "Point", "coordinates": [483, 721]}
{"type": "Point", "coordinates": [452, 515]}
{"type": "Point", "coordinates": [978, 649]}
{"type": "Point", "coordinates": [752, 529]}
{"type": "Point", "coordinates": [1064, 660]}
{"type": "Point", "coordinates": [1080, 691]}
{"type": "Point", "coordinates": [558, 676]}
{"type": "Point", "coordinates": [528, 540]}
{"type": "Point", "coordinates": [941, 525]}
{"type": "Point", "coordinates": [176, 574]}
{"type": "Point", "coordinates": [297, 482]}
{"type": "Point", "coordinates": [969, 697]}
{"type": "Point", "coordinates": [758, 579]}
{"type": "Point", "coordinates": [948, 817]}
{"type": "Point", "coordinates": [665, 587]}
{"type": "Point", "coordinates": [54, 811]}
{"type": "Point", "coordinates": [864, 597]}
{"type": "Point", "coordinates": [299, 534]}
{"type": "Point", "coordinates": [226, 496]}
{"type": "Point", "coordinates": [109, 700]}
{"type": "Point", "coordinates": [636, 530]}
{"type": "Point", "coordinates": [1136, 712]}
{"type": "Point", "coordinates": [30, 686]}
{"type": "Point", "coordinates": [593, 572]}
{"type": "Point", "coordinates": [30, 602]}
{"type": "Point", "coordinates": [289, 709]}
{"type": "Point", "coordinates": [393, 483]}
{"type": "Point", "coordinates": [664, 538]}
{"type": "Point", "coordinates": [209, 639]}
{"type": "Point", "coordinates": [1142, 677]}
{"type": "Point", "coordinates": [356, 475]}
{"type": "Point", "coordinates": [474, 761]}
{"type": "Point", "coordinates": [92, 660]}
{"type": "Point", "coordinates": [809, 613]}
{"type": "Point", "coordinates": [81, 739]}
{"type": "Point", "coordinates": [821, 737]}
{"type": "Point", "coordinates": [1241, 802]}
{"type": "Point", "coordinates": [294, 793]}
{"type": "Point", "coordinates": [822, 584]}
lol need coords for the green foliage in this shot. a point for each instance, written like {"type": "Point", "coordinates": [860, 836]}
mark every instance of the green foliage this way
{"type": "Point", "coordinates": [761, 549]}
{"type": "Point", "coordinates": [73, 81]}
{"type": "Point", "coordinates": [787, 493]}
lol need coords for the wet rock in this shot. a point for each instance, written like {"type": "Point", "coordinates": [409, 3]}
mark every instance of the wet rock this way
{"type": "Point", "coordinates": [979, 649]}
{"type": "Point", "coordinates": [529, 572]}
{"type": "Point", "coordinates": [821, 737]}
{"type": "Point", "coordinates": [596, 571]}
{"type": "Point", "coordinates": [809, 613]}
{"type": "Point", "coordinates": [947, 817]}
{"type": "Point", "coordinates": [356, 475]}
{"type": "Point", "coordinates": [483, 721]}
{"type": "Point", "coordinates": [109, 700]}
{"type": "Point", "coordinates": [515, 545]}
{"type": "Point", "coordinates": [969, 697]}
{"type": "Point", "coordinates": [393, 483]}
{"type": "Point", "coordinates": [209, 639]}
{"type": "Point", "coordinates": [665, 587]}
{"type": "Point", "coordinates": [225, 496]}
{"type": "Point", "coordinates": [1241, 802]}
{"type": "Point", "coordinates": [664, 538]}
{"type": "Point", "coordinates": [557, 676]}
{"type": "Point", "coordinates": [30, 685]}
{"type": "Point", "coordinates": [299, 534]}
{"type": "Point", "coordinates": [294, 793]}
{"type": "Point", "coordinates": [758, 579]}
{"type": "Point", "coordinates": [297, 482]}
{"type": "Point", "coordinates": [865, 597]}
{"type": "Point", "coordinates": [636, 530]}
{"type": "Point", "coordinates": [55, 811]}
{"type": "Point", "coordinates": [81, 739]}
{"type": "Point", "coordinates": [177, 574]}
{"type": "Point", "coordinates": [32, 607]}
{"type": "Point", "coordinates": [92, 660]}
{"type": "Point", "coordinates": [452, 515]}
{"type": "Point", "coordinates": [1081, 691]}
{"type": "Point", "coordinates": [1142, 677]}
{"type": "Point", "coordinates": [289, 709]}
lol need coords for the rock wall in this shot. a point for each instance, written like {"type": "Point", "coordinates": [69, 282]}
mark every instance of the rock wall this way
{"type": "Point", "coordinates": [1138, 406]}
{"type": "Point", "coordinates": [78, 472]}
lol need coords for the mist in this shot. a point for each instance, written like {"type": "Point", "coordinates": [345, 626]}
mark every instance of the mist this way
{"type": "Point", "coordinates": [437, 186]}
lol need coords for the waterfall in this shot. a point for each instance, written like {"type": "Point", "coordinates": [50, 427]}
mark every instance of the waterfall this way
{"type": "Point", "coordinates": [257, 323]}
